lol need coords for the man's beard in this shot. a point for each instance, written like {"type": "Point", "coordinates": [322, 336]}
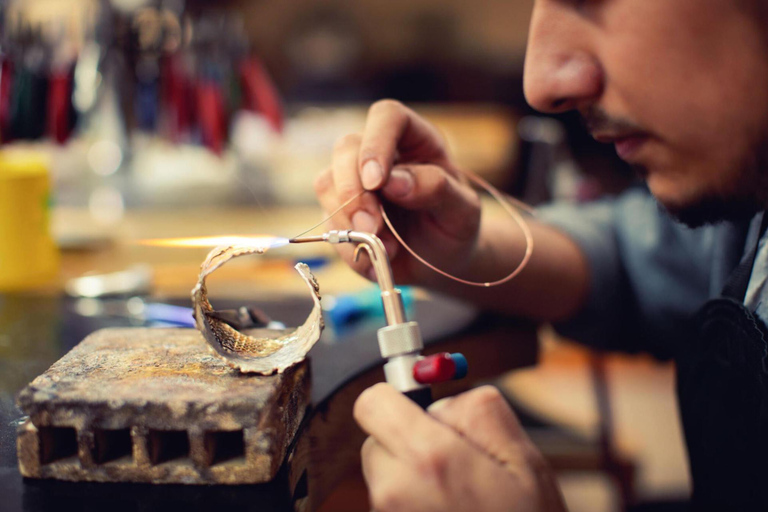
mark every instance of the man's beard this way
{"type": "Point", "coordinates": [747, 196]}
{"type": "Point", "coordinates": [712, 210]}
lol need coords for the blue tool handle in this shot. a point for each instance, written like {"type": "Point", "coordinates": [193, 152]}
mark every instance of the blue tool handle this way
{"type": "Point", "coordinates": [349, 308]}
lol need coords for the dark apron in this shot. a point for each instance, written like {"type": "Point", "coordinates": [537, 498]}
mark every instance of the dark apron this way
{"type": "Point", "coordinates": [723, 392]}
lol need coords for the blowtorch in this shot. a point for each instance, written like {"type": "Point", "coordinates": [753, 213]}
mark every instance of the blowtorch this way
{"type": "Point", "coordinates": [400, 342]}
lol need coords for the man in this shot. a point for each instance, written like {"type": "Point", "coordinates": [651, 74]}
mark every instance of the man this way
{"type": "Point", "coordinates": [680, 87]}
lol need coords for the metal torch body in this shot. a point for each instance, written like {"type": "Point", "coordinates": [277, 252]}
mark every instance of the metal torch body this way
{"type": "Point", "coordinates": [400, 341]}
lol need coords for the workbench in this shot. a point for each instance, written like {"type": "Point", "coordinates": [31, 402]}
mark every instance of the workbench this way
{"type": "Point", "coordinates": [325, 450]}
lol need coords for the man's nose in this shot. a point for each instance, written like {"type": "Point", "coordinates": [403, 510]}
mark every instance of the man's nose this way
{"type": "Point", "coordinates": [561, 73]}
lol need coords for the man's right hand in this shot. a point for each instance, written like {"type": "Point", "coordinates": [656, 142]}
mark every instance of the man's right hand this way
{"type": "Point", "coordinates": [402, 159]}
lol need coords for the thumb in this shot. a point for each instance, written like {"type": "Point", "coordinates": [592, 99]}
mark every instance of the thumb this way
{"type": "Point", "coordinates": [485, 419]}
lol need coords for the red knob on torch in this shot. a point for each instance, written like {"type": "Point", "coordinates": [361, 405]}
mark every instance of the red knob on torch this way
{"type": "Point", "coordinates": [440, 368]}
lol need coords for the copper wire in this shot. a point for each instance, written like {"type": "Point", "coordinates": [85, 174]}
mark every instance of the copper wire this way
{"type": "Point", "coordinates": [509, 205]}
{"type": "Point", "coordinates": [332, 214]}
{"type": "Point", "coordinates": [506, 203]}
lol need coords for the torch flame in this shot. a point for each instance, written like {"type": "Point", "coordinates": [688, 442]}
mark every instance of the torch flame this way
{"type": "Point", "coordinates": [265, 241]}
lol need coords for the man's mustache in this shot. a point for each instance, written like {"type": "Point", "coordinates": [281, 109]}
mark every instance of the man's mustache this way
{"type": "Point", "coordinates": [597, 120]}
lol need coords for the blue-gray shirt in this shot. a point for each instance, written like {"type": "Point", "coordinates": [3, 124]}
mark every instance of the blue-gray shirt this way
{"type": "Point", "coordinates": [650, 274]}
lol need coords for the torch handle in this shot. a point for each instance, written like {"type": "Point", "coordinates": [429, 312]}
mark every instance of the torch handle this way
{"type": "Point", "coordinates": [423, 396]}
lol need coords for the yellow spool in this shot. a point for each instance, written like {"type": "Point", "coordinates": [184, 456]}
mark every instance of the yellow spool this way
{"type": "Point", "coordinates": [28, 254]}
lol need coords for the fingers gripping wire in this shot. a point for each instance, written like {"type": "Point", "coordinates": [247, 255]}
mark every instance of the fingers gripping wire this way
{"type": "Point", "coordinates": [506, 203]}
{"type": "Point", "coordinates": [509, 204]}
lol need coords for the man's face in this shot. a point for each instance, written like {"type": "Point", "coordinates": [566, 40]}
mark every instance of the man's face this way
{"type": "Point", "coordinates": [679, 86]}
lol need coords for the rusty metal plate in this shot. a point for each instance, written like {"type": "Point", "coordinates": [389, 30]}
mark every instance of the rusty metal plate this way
{"type": "Point", "coordinates": [264, 353]}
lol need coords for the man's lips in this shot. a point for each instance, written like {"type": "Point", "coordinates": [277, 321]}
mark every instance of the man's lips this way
{"type": "Point", "coordinates": [627, 145]}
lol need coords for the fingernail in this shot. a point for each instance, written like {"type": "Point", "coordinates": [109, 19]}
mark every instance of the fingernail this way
{"type": "Point", "coordinates": [363, 221]}
{"type": "Point", "coordinates": [372, 174]}
{"type": "Point", "coordinates": [400, 183]}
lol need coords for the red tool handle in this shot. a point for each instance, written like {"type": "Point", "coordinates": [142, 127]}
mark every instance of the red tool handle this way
{"type": "Point", "coordinates": [260, 93]}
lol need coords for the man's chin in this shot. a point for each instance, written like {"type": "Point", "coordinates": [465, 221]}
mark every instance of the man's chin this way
{"type": "Point", "coordinates": [699, 209]}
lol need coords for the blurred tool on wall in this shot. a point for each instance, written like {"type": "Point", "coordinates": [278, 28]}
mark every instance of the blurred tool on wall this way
{"type": "Point", "coordinates": [169, 72]}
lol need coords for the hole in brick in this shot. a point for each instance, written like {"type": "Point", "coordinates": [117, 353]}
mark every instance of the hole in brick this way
{"type": "Point", "coordinates": [57, 443]}
{"type": "Point", "coordinates": [111, 445]}
{"type": "Point", "coordinates": [167, 445]}
{"type": "Point", "coordinates": [222, 446]}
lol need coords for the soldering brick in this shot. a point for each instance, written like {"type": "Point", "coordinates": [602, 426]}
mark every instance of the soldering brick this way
{"type": "Point", "coordinates": [155, 405]}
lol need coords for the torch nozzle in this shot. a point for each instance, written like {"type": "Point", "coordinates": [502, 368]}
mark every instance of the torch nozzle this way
{"type": "Point", "coordinates": [393, 306]}
{"type": "Point", "coordinates": [306, 239]}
